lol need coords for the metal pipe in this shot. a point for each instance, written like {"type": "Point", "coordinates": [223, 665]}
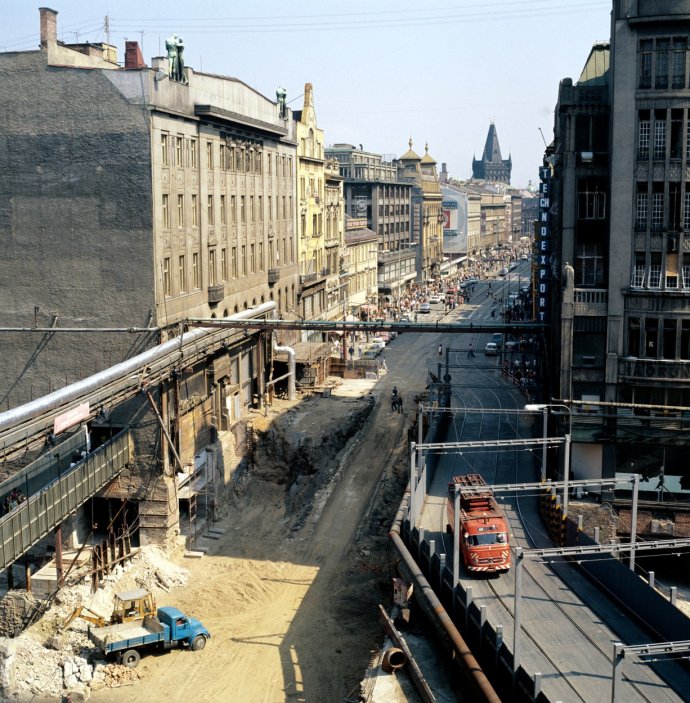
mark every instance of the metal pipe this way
{"type": "Point", "coordinates": [475, 677]}
{"type": "Point", "coordinates": [76, 391]}
{"type": "Point", "coordinates": [81, 329]}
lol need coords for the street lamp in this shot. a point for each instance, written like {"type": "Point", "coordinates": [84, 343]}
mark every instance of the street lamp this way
{"type": "Point", "coordinates": [544, 408]}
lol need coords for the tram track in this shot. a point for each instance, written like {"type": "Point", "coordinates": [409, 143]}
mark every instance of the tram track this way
{"type": "Point", "coordinates": [497, 401]}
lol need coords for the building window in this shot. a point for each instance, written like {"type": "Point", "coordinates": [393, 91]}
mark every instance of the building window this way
{"type": "Point", "coordinates": [661, 69]}
{"type": "Point", "coordinates": [212, 267]}
{"type": "Point", "coordinates": [655, 276]}
{"type": "Point", "coordinates": [182, 273]}
{"type": "Point", "coordinates": [180, 211]}
{"type": "Point", "coordinates": [261, 208]}
{"type": "Point", "coordinates": [166, 276]}
{"type": "Point", "coordinates": [223, 264]}
{"type": "Point", "coordinates": [192, 152]}
{"type": "Point", "coordinates": [222, 210]}
{"type": "Point", "coordinates": [166, 211]}
{"type": "Point", "coordinates": [195, 211]}
{"type": "Point", "coordinates": [645, 77]}
{"type": "Point", "coordinates": [178, 152]}
{"type": "Point", "coordinates": [634, 336]}
{"type": "Point", "coordinates": [657, 210]}
{"type": "Point", "coordinates": [210, 211]}
{"type": "Point", "coordinates": [660, 138]}
{"type": "Point", "coordinates": [243, 260]}
{"type": "Point", "coordinates": [233, 262]}
{"type": "Point", "coordinates": [269, 165]}
{"type": "Point", "coordinates": [589, 265]}
{"type": "Point", "coordinates": [270, 208]}
{"type": "Point", "coordinates": [685, 339]}
{"type": "Point", "coordinates": [678, 62]}
{"type": "Point", "coordinates": [685, 270]}
{"type": "Point", "coordinates": [651, 334]}
{"type": "Point", "coordinates": [252, 259]}
{"type": "Point", "coordinates": [261, 256]}
{"type": "Point", "coordinates": [592, 205]}
{"type": "Point", "coordinates": [638, 270]}
{"type": "Point", "coordinates": [164, 149]}
{"type": "Point", "coordinates": [233, 210]}
{"type": "Point", "coordinates": [243, 214]}
{"type": "Point", "coordinates": [643, 138]}
{"type": "Point", "coordinates": [251, 208]}
{"type": "Point", "coordinates": [195, 269]}
{"type": "Point", "coordinates": [209, 156]}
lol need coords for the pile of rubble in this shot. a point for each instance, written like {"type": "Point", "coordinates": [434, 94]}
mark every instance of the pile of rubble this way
{"type": "Point", "coordinates": [47, 660]}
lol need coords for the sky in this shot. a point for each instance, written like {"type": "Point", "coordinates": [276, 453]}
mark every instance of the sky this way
{"type": "Point", "coordinates": [384, 71]}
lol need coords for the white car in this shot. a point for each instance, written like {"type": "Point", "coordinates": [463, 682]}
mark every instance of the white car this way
{"type": "Point", "coordinates": [425, 308]}
{"type": "Point", "coordinates": [435, 299]}
{"type": "Point", "coordinates": [378, 343]}
{"type": "Point", "coordinates": [491, 349]}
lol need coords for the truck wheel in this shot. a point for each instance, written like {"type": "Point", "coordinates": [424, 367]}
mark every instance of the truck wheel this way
{"type": "Point", "coordinates": [198, 643]}
{"type": "Point", "coordinates": [130, 658]}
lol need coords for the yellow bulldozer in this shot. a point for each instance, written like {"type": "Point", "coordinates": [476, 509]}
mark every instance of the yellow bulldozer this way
{"type": "Point", "coordinates": [128, 606]}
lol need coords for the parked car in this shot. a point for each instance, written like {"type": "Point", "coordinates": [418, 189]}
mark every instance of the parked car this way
{"type": "Point", "coordinates": [524, 257]}
{"type": "Point", "coordinates": [435, 299]}
{"type": "Point", "coordinates": [378, 343]}
{"type": "Point", "coordinates": [370, 353]}
{"type": "Point", "coordinates": [491, 349]}
{"type": "Point", "coordinates": [503, 272]}
{"type": "Point", "coordinates": [425, 308]}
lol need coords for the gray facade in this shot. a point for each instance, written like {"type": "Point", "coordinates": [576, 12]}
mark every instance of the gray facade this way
{"type": "Point", "coordinates": [621, 257]}
{"type": "Point", "coordinates": [132, 201]}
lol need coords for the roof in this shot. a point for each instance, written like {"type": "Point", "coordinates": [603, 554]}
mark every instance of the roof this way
{"type": "Point", "coordinates": [410, 155]}
{"type": "Point", "coordinates": [355, 236]}
{"type": "Point", "coordinates": [492, 149]}
{"type": "Point", "coordinates": [134, 594]}
{"type": "Point", "coordinates": [595, 72]}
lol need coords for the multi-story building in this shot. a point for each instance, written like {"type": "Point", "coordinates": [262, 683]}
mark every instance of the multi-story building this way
{"type": "Point", "coordinates": [319, 222]}
{"type": "Point", "coordinates": [614, 233]}
{"type": "Point", "coordinates": [374, 191]}
{"type": "Point", "coordinates": [492, 166]}
{"type": "Point", "coordinates": [427, 217]}
{"type": "Point", "coordinates": [362, 261]}
{"type": "Point", "coordinates": [135, 198]}
{"type": "Point", "coordinates": [335, 246]}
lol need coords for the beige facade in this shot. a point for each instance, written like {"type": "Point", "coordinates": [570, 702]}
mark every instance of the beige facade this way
{"type": "Point", "coordinates": [427, 219]}
{"type": "Point", "coordinates": [313, 217]}
{"type": "Point", "coordinates": [362, 262]}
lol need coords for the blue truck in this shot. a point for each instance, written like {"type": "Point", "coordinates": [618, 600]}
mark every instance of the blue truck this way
{"type": "Point", "coordinates": [169, 628]}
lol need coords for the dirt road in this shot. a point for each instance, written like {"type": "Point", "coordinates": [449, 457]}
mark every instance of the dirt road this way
{"type": "Point", "coordinates": [293, 612]}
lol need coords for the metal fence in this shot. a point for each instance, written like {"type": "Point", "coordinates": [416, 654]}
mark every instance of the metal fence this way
{"type": "Point", "coordinates": [42, 512]}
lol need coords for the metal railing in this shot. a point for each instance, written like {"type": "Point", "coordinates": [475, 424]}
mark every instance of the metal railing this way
{"type": "Point", "coordinates": [43, 511]}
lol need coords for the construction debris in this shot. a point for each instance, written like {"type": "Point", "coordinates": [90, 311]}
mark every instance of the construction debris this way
{"type": "Point", "coordinates": [46, 661]}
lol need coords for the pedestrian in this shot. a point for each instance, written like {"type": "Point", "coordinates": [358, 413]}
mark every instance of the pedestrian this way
{"type": "Point", "coordinates": [470, 352]}
{"type": "Point", "coordinates": [440, 351]}
{"type": "Point", "coordinates": [400, 404]}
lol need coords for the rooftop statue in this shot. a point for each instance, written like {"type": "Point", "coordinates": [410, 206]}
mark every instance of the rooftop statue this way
{"type": "Point", "coordinates": [174, 45]}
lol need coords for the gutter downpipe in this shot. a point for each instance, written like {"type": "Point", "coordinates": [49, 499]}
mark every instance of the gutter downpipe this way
{"type": "Point", "coordinates": [292, 366]}
{"type": "Point", "coordinates": [474, 676]}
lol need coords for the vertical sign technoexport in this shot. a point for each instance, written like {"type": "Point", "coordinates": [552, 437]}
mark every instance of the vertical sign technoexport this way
{"type": "Point", "coordinates": [544, 245]}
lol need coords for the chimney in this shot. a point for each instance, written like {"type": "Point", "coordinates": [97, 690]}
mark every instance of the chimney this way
{"type": "Point", "coordinates": [133, 57]}
{"type": "Point", "coordinates": [48, 25]}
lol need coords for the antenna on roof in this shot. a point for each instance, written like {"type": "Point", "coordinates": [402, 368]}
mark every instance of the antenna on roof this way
{"type": "Point", "coordinates": [543, 138]}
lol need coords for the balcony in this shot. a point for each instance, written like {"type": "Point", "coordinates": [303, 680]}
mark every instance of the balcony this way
{"type": "Point", "coordinates": [216, 293]}
{"type": "Point", "coordinates": [273, 276]}
{"type": "Point", "coordinates": [306, 278]}
{"type": "Point", "coordinates": [591, 302]}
